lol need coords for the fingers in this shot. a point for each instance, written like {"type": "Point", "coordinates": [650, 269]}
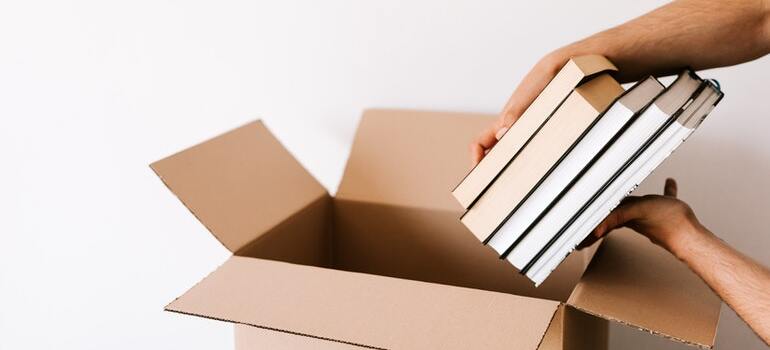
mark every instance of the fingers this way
{"type": "Point", "coordinates": [526, 92]}
{"type": "Point", "coordinates": [590, 240]}
{"type": "Point", "coordinates": [600, 231]}
{"type": "Point", "coordinates": [484, 142]}
{"type": "Point", "coordinates": [477, 152]}
{"type": "Point", "coordinates": [620, 216]}
{"type": "Point", "coordinates": [670, 188]}
{"type": "Point", "coordinates": [512, 112]}
{"type": "Point", "coordinates": [500, 133]}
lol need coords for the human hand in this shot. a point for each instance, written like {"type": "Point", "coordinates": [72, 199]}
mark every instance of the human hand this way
{"type": "Point", "coordinates": [531, 86]}
{"type": "Point", "coordinates": [664, 219]}
{"type": "Point", "coordinates": [700, 34]}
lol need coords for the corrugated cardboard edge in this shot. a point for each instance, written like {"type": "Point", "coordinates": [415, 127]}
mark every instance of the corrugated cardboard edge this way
{"type": "Point", "coordinates": [163, 180]}
{"type": "Point", "coordinates": [252, 338]}
{"type": "Point", "coordinates": [622, 235]}
{"type": "Point", "coordinates": [550, 324]}
{"type": "Point", "coordinates": [264, 136]}
{"type": "Point", "coordinates": [278, 330]}
{"type": "Point", "coordinates": [553, 317]}
{"type": "Point", "coordinates": [643, 329]}
{"type": "Point", "coordinates": [212, 232]}
{"type": "Point", "coordinates": [170, 309]}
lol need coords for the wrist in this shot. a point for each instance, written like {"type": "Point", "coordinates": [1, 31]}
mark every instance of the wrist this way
{"type": "Point", "coordinates": [681, 243]}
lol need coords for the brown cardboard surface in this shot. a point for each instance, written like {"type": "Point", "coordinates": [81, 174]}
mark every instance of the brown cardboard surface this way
{"type": "Point", "coordinates": [432, 246]}
{"type": "Point", "coordinates": [261, 203]}
{"type": "Point", "coordinates": [639, 284]}
{"type": "Point", "coordinates": [253, 338]}
{"type": "Point", "coordinates": [572, 329]}
{"type": "Point", "coordinates": [410, 158]}
{"type": "Point", "coordinates": [239, 184]}
{"type": "Point", "coordinates": [362, 309]}
{"type": "Point", "coordinates": [553, 338]}
{"type": "Point", "coordinates": [303, 238]}
{"type": "Point", "coordinates": [583, 331]}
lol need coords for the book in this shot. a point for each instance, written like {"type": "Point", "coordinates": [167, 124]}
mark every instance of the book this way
{"type": "Point", "coordinates": [547, 145]}
{"type": "Point", "coordinates": [567, 220]}
{"type": "Point", "coordinates": [680, 127]}
{"type": "Point", "coordinates": [606, 165]}
{"type": "Point", "coordinates": [575, 71]}
{"type": "Point", "coordinates": [607, 127]}
{"type": "Point", "coordinates": [573, 162]}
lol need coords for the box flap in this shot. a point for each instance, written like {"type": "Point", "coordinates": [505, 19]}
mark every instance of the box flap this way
{"type": "Point", "coordinates": [239, 184]}
{"type": "Point", "coordinates": [637, 283]}
{"type": "Point", "coordinates": [254, 338]}
{"type": "Point", "coordinates": [410, 158]}
{"type": "Point", "coordinates": [367, 310]}
{"type": "Point", "coordinates": [572, 329]}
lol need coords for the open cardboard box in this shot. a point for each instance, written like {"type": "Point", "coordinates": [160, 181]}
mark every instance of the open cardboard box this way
{"type": "Point", "coordinates": [386, 264]}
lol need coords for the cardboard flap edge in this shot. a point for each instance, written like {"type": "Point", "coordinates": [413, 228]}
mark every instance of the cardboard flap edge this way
{"type": "Point", "coordinates": [239, 184]}
{"type": "Point", "coordinates": [641, 328]}
{"type": "Point", "coordinates": [633, 282]}
{"type": "Point", "coordinates": [168, 308]}
{"type": "Point", "coordinates": [361, 309]}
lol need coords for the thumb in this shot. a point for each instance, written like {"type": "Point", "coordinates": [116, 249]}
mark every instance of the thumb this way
{"type": "Point", "coordinates": [622, 214]}
{"type": "Point", "coordinates": [670, 188]}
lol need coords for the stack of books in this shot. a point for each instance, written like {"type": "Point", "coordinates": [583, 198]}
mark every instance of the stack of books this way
{"type": "Point", "coordinates": [573, 155]}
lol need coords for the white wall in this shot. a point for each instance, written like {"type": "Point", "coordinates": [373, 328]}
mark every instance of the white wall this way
{"type": "Point", "coordinates": [93, 246]}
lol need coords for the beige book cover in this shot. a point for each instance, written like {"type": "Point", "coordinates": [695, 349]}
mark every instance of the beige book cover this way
{"type": "Point", "coordinates": [586, 103]}
{"type": "Point", "coordinates": [571, 75]}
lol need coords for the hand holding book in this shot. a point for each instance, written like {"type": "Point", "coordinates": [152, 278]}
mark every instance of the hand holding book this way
{"type": "Point", "coordinates": [670, 223]}
{"type": "Point", "coordinates": [664, 219]}
{"type": "Point", "coordinates": [700, 34]}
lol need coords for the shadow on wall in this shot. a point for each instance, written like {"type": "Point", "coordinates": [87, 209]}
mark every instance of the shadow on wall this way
{"type": "Point", "coordinates": [725, 183]}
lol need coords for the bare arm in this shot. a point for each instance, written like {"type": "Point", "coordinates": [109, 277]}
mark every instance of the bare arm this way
{"type": "Point", "coordinates": [697, 33]}
{"type": "Point", "coordinates": [740, 281]}
{"type": "Point", "coordinates": [700, 34]}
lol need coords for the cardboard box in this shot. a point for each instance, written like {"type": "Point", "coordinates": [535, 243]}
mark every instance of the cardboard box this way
{"type": "Point", "coordinates": [386, 264]}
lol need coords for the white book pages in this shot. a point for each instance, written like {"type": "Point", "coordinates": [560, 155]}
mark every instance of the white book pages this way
{"type": "Point", "coordinates": [642, 167]}
{"type": "Point", "coordinates": [593, 141]}
{"type": "Point", "coordinates": [613, 195]}
{"type": "Point", "coordinates": [599, 173]}
{"type": "Point", "coordinates": [570, 239]}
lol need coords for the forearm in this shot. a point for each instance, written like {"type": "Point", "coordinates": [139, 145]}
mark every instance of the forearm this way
{"type": "Point", "coordinates": [741, 282]}
{"type": "Point", "coordinates": [688, 33]}
{"type": "Point", "coordinates": [696, 33]}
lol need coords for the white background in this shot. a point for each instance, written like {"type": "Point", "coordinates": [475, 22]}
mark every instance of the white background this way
{"type": "Point", "coordinates": [93, 245]}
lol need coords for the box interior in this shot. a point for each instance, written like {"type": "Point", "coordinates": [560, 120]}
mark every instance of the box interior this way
{"type": "Point", "coordinates": [412, 243]}
{"type": "Point", "coordinates": [393, 215]}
